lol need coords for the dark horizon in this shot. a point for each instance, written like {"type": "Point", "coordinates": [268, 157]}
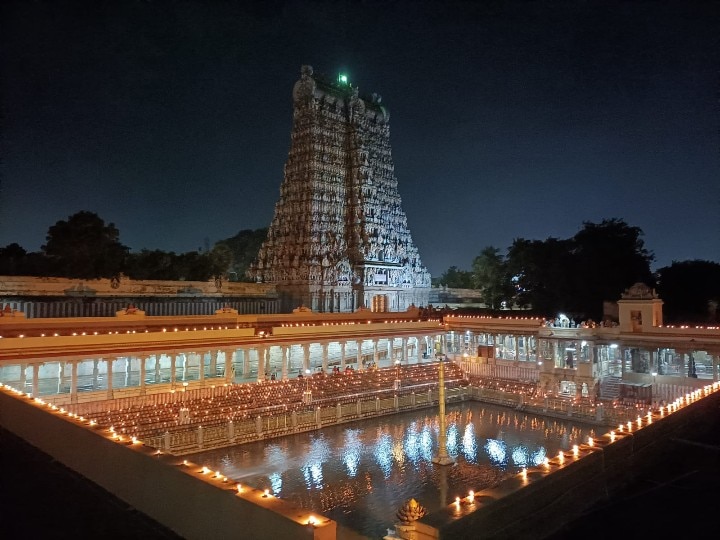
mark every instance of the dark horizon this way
{"type": "Point", "coordinates": [508, 120]}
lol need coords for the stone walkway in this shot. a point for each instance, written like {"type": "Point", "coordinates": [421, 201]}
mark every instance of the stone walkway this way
{"type": "Point", "coordinates": [674, 499]}
{"type": "Point", "coordinates": [41, 498]}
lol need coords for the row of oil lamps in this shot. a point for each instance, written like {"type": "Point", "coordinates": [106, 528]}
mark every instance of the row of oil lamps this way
{"type": "Point", "coordinates": [312, 520]}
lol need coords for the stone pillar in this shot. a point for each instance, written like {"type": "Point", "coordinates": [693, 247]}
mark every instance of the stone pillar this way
{"type": "Point", "coordinates": [246, 361]}
{"type": "Point", "coordinates": [359, 354]}
{"type": "Point", "coordinates": [517, 348]}
{"type": "Point", "coordinates": [404, 350]}
{"type": "Point", "coordinates": [184, 362]}
{"type": "Point", "coordinates": [306, 357]}
{"type": "Point", "coordinates": [390, 350]}
{"type": "Point", "coordinates": [262, 358]}
{"type": "Point", "coordinates": [201, 366]}
{"type": "Point", "coordinates": [172, 368]}
{"type": "Point", "coordinates": [73, 380]}
{"type": "Point", "coordinates": [61, 377]}
{"type": "Point", "coordinates": [342, 355]}
{"type": "Point", "coordinates": [285, 357]}
{"type": "Point", "coordinates": [229, 366]}
{"type": "Point", "coordinates": [128, 370]}
{"type": "Point", "coordinates": [23, 376]}
{"type": "Point", "coordinates": [375, 351]}
{"type": "Point", "coordinates": [96, 373]}
{"type": "Point", "coordinates": [109, 377]}
{"type": "Point", "coordinates": [158, 376]}
{"type": "Point", "coordinates": [325, 346]}
{"type": "Point", "coordinates": [143, 373]}
{"type": "Point", "coordinates": [36, 380]}
{"type": "Point", "coordinates": [213, 364]}
{"type": "Point", "coordinates": [420, 344]}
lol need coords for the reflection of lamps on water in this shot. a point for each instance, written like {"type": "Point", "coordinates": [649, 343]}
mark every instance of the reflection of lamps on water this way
{"type": "Point", "coordinates": [397, 384]}
{"type": "Point", "coordinates": [442, 458]}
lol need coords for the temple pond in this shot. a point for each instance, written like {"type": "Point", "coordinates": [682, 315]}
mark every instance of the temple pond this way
{"type": "Point", "coordinates": [359, 474]}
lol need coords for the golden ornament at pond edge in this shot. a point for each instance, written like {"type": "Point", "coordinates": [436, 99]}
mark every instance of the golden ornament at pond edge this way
{"type": "Point", "coordinates": [410, 511]}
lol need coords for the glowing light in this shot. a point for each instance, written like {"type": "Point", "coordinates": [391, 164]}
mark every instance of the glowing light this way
{"type": "Point", "coordinates": [312, 520]}
{"type": "Point", "coordinates": [239, 488]}
{"type": "Point", "coordinates": [266, 494]}
{"type": "Point", "coordinates": [471, 495]}
{"type": "Point", "coordinates": [561, 457]}
{"type": "Point", "coordinates": [590, 441]}
{"type": "Point", "coordinates": [612, 436]}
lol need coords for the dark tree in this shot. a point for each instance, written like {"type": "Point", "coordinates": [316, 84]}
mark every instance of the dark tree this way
{"type": "Point", "coordinates": [155, 264]}
{"type": "Point", "coordinates": [455, 278]}
{"type": "Point", "coordinates": [244, 248]}
{"type": "Point", "coordinates": [489, 275]}
{"type": "Point", "coordinates": [84, 247]}
{"type": "Point", "coordinates": [540, 273]}
{"type": "Point", "coordinates": [12, 260]}
{"type": "Point", "coordinates": [690, 291]}
{"type": "Point", "coordinates": [193, 266]}
{"type": "Point", "coordinates": [608, 257]}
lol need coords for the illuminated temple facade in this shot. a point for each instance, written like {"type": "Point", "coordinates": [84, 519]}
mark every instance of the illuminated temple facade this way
{"type": "Point", "coordinates": [339, 239]}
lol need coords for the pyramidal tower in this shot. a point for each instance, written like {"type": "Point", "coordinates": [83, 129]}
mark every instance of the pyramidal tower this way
{"type": "Point", "coordinates": [339, 239]}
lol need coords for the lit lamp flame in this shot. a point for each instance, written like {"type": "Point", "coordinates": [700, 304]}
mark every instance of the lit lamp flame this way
{"type": "Point", "coordinates": [576, 450]}
{"type": "Point", "coordinates": [524, 474]}
{"type": "Point", "coordinates": [471, 495]}
{"type": "Point", "coordinates": [546, 462]}
{"type": "Point", "coordinates": [561, 457]}
{"type": "Point", "coordinates": [612, 436]}
{"type": "Point", "coordinates": [591, 442]}
{"type": "Point", "coordinates": [266, 493]}
{"type": "Point", "coordinates": [312, 521]}
{"type": "Point", "coordinates": [239, 488]}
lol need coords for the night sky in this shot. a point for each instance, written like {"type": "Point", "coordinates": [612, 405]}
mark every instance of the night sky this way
{"type": "Point", "coordinates": [508, 119]}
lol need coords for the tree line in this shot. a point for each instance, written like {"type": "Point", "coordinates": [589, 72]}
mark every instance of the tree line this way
{"type": "Point", "coordinates": [576, 275]}
{"type": "Point", "coordinates": [85, 247]}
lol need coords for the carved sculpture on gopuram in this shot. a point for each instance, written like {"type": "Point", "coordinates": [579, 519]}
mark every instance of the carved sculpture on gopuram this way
{"type": "Point", "coordinates": [339, 239]}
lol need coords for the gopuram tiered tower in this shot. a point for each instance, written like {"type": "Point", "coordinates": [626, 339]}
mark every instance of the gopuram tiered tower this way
{"type": "Point", "coordinates": [339, 239]}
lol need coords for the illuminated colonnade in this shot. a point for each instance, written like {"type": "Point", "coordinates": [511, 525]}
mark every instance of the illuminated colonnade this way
{"type": "Point", "coordinates": [575, 360]}
{"type": "Point", "coordinates": [92, 377]}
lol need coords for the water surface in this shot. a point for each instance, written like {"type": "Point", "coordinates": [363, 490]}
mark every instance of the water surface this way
{"type": "Point", "coordinates": [359, 474]}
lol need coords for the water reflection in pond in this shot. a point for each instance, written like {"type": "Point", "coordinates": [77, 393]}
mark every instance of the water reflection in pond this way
{"type": "Point", "coordinates": [359, 474]}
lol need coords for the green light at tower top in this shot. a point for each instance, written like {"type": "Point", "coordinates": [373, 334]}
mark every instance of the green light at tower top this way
{"type": "Point", "coordinates": [342, 78]}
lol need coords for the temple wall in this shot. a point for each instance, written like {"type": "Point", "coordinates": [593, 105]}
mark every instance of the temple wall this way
{"type": "Point", "coordinates": [61, 297]}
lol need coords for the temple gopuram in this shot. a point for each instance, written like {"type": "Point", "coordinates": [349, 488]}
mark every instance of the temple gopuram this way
{"type": "Point", "coordinates": [339, 239]}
